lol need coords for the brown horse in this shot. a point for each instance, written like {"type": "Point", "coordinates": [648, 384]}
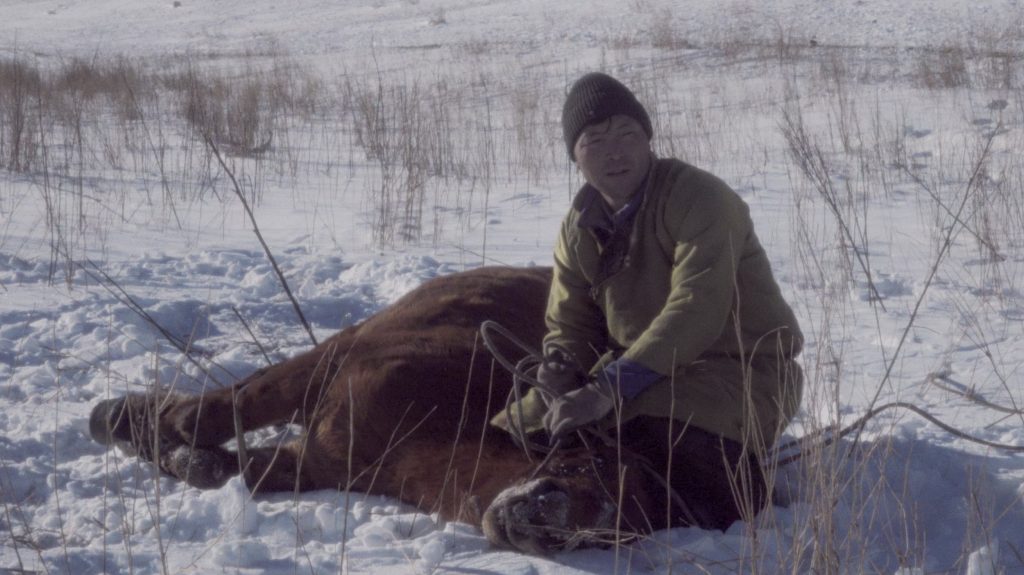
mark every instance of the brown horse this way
{"type": "Point", "coordinates": [399, 405]}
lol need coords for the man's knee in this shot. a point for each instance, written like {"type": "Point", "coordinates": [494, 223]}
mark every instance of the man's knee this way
{"type": "Point", "coordinates": [714, 478]}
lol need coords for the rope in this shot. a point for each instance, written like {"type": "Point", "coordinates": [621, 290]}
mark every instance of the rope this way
{"type": "Point", "coordinates": [522, 373]}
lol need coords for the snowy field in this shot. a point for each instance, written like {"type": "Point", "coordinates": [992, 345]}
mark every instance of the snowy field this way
{"type": "Point", "coordinates": [879, 144]}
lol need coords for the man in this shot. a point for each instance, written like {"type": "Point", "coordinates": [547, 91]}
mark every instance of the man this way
{"type": "Point", "coordinates": [664, 296]}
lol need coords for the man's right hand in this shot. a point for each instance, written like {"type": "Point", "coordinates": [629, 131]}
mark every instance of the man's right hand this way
{"type": "Point", "coordinates": [558, 373]}
{"type": "Point", "coordinates": [580, 407]}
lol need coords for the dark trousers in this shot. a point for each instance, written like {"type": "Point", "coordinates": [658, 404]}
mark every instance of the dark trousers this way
{"type": "Point", "coordinates": [715, 479]}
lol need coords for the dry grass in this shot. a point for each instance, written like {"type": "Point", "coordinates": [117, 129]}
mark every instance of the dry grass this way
{"type": "Point", "coordinates": [20, 87]}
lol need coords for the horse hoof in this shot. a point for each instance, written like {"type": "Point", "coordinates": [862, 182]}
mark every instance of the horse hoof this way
{"type": "Point", "coordinates": [108, 422]}
{"type": "Point", "coordinates": [200, 468]}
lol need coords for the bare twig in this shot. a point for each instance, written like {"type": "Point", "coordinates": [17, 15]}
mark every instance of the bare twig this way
{"type": "Point", "coordinates": [956, 216]}
{"type": "Point", "coordinates": [255, 340]}
{"type": "Point", "coordinates": [236, 420]}
{"type": "Point", "coordinates": [186, 347]}
{"type": "Point", "coordinates": [943, 381]}
{"type": "Point", "coordinates": [947, 244]}
{"type": "Point", "coordinates": [812, 163]}
{"type": "Point", "coordinates": [256, 229]}
{"type": "Point", "coordinates": [806, 442]}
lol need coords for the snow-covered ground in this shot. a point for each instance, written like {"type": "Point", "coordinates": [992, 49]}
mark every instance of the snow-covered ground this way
{"type": "Point", "coordinates": [912, 113]}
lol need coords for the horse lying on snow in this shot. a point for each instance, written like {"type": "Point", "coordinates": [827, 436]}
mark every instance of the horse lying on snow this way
{"type": "Point", "coordinates": [399, 405]}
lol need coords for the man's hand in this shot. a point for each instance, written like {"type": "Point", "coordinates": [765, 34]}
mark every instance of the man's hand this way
{"type": "Point", "coordinates": [558, 374]}
{"type": "Point", "coordinates": [574, 406]}
{"type": "Point", "coordinates": [579, 407]}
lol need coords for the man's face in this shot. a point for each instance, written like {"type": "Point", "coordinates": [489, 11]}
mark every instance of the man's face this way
{"type": "Point", "coordinates": [614, 156]}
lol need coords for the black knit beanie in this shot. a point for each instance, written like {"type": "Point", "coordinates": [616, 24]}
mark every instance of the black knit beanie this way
{"type": "Point", "coordinates": [595, 98]}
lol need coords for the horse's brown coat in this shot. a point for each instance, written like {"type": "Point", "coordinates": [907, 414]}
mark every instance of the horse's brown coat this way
{"type": "Point", "coordinates": [399, 405]}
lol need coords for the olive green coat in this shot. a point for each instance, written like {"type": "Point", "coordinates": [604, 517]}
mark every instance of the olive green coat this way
{"type": "Point", "coordinates": [694, 300]}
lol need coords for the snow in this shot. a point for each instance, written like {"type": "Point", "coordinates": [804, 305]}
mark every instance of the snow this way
{"type": "Point", "coordinates": [940, 324]}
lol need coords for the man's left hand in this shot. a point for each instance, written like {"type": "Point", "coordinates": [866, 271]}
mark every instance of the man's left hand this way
{"type": "Point", "coordinates": [621, 378]}
{"type": "Point", "coordinates": [629, 377]}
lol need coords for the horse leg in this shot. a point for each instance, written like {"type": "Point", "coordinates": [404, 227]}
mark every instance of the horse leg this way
{"type": "Point", "coordinates": [287, 392]}
{"type": "Point", "coordinates": [136, 423]}
{"type": "Point", "coordinates": [132, 423]}
{"type": "Point", "coordinates": [184, 434]}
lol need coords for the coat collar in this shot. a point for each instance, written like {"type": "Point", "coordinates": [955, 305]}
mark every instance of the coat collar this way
{"type": "Point", "coordinates": [596, 215]}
